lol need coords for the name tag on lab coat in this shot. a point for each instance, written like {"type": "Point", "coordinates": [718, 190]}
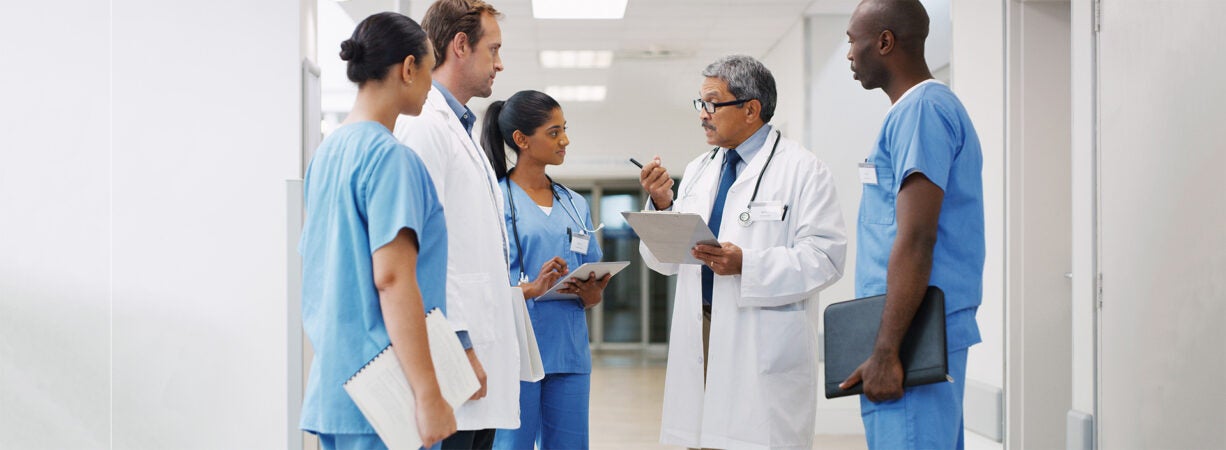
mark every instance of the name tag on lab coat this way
{"type": "Point", "coordinates": [579, 242]}
{"type": "Point", "coordinates": [767, 211]}
{"type": "Point", "coordinates": [868, 173]}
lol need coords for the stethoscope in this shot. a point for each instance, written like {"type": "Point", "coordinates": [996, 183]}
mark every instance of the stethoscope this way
{"type": "Point", "coordinates": [745, 218]}
{"type": "Point", "coordinates": [553, 188]}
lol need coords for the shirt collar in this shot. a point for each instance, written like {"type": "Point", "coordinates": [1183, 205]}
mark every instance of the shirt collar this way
{"type": "Point", "coordinates": [466, 116]}
{"type": "Point", "coordinates": [750, 147]}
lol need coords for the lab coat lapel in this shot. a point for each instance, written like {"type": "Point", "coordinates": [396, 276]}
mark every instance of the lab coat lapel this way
{"type": "Point", "coordinates": [473, 152]}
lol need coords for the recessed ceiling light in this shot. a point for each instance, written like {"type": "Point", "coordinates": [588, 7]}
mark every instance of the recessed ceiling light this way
{"type": "Point", "coordinates": [577, 93]}
{"type": "Point", "coordinates": [578, 9]}
{"type": "Point", "coordinates": [576, 59]}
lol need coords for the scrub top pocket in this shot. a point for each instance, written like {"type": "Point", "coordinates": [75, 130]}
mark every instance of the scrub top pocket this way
{"type": "Point", "coordinates": [877, 205]}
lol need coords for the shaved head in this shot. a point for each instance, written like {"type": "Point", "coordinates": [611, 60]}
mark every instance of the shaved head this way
{"type": "Point", "coordinates": [906, 19]}
{"type": "Point", "coordinates": [887, 43]}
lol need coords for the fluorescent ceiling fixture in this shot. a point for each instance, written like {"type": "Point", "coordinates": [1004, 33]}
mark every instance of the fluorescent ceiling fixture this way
{"type": "Point", "coordinates": [578, 9]}
{"type": "Point", "coordinates": [576, 93]}
{"type": "Point", "coordinates": [576, 59]}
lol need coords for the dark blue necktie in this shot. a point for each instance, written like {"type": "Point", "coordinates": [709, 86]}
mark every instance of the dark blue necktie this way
{"type": "Point", "coordinates": [726, 177]}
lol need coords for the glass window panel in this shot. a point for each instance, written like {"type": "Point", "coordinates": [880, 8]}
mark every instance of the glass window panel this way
{"type": "Point", "coordinates": [622, 298]}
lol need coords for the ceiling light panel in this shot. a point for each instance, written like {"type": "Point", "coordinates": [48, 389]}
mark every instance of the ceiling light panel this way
{"type": "Point", "coordinates": [577, 93]}
{"type": "Point", "coordinates": [578, 9]}
{"type": "Point", "coordinates": [576, 59]}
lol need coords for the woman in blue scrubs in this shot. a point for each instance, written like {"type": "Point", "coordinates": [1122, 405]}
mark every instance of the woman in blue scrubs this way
{"type": "Point", "coordinates": [373, 243]}
{"type": "Point", "coordinates": [549, 222]}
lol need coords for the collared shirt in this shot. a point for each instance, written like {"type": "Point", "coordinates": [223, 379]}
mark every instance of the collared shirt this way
{"type": "Point", "coordinates": [928, 131]}
{"type": "Point", "coordinates": [748, 149]}
{"type": "Point", "coordinates": [467, 118]}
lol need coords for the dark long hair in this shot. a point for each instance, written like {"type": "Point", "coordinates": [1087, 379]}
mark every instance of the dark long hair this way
{"type": "Point", "coordinates": [379, 42]}
{"type": "Point", "coordinates": [524, 112]}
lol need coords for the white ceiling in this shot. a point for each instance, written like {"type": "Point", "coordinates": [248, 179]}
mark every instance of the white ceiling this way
{"type": "Point", "coordinates": [646, 96]}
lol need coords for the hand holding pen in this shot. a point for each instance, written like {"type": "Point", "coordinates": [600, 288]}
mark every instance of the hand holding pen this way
{"type": "Point", "coordinates": [656, 181]}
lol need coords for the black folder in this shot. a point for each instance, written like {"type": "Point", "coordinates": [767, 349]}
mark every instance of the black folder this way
{"type": "Point", "coordinates": [851, 333]}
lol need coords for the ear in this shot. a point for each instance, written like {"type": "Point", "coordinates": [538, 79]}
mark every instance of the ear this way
{"type": "Point", "coordinates": [752, 110]}
{"type": "Point", "coordinates": [886, 42]}
{"type": "Point", "coordinates": [521, 139]}
{"type": "Point", "coordinates": [409, 69]}
{"type": "Point", "coordinates": [459, 45]}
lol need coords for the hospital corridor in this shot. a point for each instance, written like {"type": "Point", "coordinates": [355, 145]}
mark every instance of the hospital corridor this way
{"type": "Point", "coordinates": [612, 224]}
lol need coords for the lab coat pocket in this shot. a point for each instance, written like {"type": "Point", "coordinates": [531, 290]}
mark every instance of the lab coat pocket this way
{"type": "Point", "coordinates": [768, 224]}
{"type": "Point", "coordinates": [783, 341]}
{"type": "Point", "coordinates": [877, 205]}
{"type": "Point", "coordinates": [475, 293]}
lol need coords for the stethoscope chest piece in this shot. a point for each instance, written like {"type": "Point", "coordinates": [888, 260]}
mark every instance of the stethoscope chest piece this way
{"type": "Point", "coordinates": [744, 218]}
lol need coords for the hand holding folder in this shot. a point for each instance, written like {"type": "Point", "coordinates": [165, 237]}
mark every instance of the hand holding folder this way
{"type": "Point", "coordinates": [851, 333]}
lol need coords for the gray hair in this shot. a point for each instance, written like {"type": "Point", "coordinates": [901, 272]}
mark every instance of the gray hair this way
{"type": "Point", "coordinates": [747, 78]}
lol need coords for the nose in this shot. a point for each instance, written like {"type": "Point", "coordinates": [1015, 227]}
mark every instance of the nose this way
{"type": "Point", "coordinates": [497, 63]}
{"type": "Point", "coordinates": [703, 114]}
{"type": "Point", "coordinates": [565, 141]}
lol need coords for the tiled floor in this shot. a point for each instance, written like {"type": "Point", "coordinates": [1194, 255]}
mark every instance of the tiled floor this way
{"type": "Point", "coordinates": [627, 388]}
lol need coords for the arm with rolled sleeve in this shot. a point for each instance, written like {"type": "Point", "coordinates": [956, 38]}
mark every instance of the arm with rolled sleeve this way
{"type": "Point", "coordinates": [781, 275]}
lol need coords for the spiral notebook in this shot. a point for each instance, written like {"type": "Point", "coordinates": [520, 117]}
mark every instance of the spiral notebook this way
{"type": "Point", "coordinates": [382, 392]}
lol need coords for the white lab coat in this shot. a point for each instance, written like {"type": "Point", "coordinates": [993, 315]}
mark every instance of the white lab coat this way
{"type": "Point", "coordinates": [478, 294]}
{"type": "Point", "coordinates": [761, 387]}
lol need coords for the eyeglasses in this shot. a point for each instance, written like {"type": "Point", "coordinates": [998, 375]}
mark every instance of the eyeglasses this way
{"type": "Point", "coordinates": [703, 105]}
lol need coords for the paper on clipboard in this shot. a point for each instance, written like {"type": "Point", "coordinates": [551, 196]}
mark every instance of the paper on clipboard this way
{"type": "Point", "coordinates": [582, 273]}
{"type": "Point", "coordinates": [671, 235]}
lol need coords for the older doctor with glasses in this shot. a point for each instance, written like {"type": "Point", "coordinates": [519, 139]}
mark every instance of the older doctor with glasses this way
{"type": "Point", "coordinates": [742, 368]}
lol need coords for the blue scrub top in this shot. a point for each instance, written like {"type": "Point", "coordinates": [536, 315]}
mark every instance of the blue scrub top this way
{"type": "Point", "coordinates": [928, 131]}
{"type": "Point", "coordinates": [362, 188]}
{"type": "Point", "coordinates": [561, 325]}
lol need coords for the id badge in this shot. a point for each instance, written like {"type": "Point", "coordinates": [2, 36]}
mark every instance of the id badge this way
{"type": "Point", "coordinates": [579, 242]}
{"type": "Point", "coordinates": [868, 173]}
{"type": "Point", "coordinates": [767, 211]}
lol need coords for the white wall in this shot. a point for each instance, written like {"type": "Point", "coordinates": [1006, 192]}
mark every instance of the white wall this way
{"type": "Point", "coordinates": [1038, 224]}
{"type": "Point", "coordinates": [786, 61]}
{"type": "Point", "coordinates": [1163, 252]}
{"type": "Point", "coordinates": [54, 225]}
{"type": "Point", "coordinates": [144, 242]}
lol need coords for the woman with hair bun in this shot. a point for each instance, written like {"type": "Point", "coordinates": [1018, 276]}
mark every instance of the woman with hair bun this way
{"type": "Point", "coordinates": [549, 222]}
{"type": "Point", "coordinates": [374, 241]}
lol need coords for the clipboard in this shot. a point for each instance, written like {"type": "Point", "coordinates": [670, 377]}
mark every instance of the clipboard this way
{"type": "Point", "coordinates": [670, 235]}
{"type": "Point", "coordinates": [581, 273]}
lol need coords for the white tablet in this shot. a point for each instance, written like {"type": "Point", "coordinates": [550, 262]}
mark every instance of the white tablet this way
{"type": "Point", "coordinates": [582, 273]}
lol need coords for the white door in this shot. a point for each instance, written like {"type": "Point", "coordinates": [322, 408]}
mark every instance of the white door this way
{"type": "Point", "coordinates": [1163, 225]}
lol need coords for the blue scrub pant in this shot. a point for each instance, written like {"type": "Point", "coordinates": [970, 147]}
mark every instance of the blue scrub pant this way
{"type": "Point", "coordinates": [553, 414]}
{"type": "Point", "coordinates": [926, 417]}
{"type": "Point", "coordinates": [355, 442]}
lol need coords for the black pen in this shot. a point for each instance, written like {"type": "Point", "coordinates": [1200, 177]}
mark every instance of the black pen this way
{"type": "Point", "coordinates": [636, 163]}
